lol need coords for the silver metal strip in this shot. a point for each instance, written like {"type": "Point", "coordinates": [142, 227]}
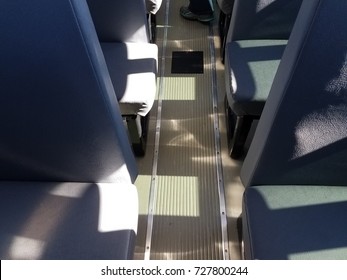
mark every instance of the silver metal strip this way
{"type": "Point", "coordinates": [152, 197]}
{"type": "Point", "coordinates": [220, 181]}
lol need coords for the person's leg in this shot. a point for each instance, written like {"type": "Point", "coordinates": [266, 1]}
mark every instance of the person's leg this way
{"type": "Point", "coordinates": [201, 10]}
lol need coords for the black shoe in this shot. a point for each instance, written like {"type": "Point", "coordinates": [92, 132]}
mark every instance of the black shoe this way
{"type": "Point", "coordinates": [187, 14]}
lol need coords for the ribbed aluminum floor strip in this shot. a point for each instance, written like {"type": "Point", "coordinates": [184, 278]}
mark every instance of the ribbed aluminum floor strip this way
{"type": "Point", "coordinates": [220, 181]}
{"type": "Point", "coordinates": [184, 220]}
{"type": "Point", "coordinates": [152, 195]}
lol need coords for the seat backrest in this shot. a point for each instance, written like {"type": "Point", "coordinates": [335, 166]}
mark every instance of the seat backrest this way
{"type": "Point", "coordinates": [59, 115]}
{"type": "Point", "coordinates": [301, 137]}
{"type": "Point", "coordinates": [262, 19]}
{"type": "Point", "coordinates": [226, 6]}
{"type": "Point", "coordinates": [120, 21]}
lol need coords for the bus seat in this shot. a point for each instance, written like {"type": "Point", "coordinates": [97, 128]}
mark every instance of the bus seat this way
{"type": "Point", "coordinates": [66, 166]}
{"type": "Point", "coordinates": [295, 200]}
{"type": "Point", "coordinates": [258, 34]}
{"type": "Point", "coordinates": [120, 22]}
{"type": "Point", "coordinates": [226, 6]}
{"type": "Point", "coordinates": [132, 60]}
{"type": "Point", "coordinates": [226, 9]}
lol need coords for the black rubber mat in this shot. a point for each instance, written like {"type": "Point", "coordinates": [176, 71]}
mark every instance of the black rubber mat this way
{"type": "Point", "coordinates": [187, 62]}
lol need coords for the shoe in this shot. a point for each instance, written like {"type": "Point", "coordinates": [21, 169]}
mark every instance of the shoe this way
{"type": "Point", "coordinates": [187, 14]}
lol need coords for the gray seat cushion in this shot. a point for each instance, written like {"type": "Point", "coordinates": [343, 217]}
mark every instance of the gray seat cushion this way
{"type": "Point", "coordinates": [295, 222]}
{"type": "Point", "coordinates": [250, 67]}
{"type": "Point", "coordinates": [133, 68]}
{"type": "Point", "coordinates": [67, 220]}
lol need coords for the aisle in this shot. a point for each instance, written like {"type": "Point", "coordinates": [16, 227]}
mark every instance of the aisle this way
{"type": "Point", "coordinates": [181, 184]}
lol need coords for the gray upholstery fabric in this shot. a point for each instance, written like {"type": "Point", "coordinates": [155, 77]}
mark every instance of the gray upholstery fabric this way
{"type": "Point", "coordinates": [59, 114]}
{"type": "Point", "coordinates": [262, 19]}
{"type": "Point", "coordinates": [131, 59]}
{"type": "Point", "coordinates": [116, 21]}
{"type": "Point", "coordinates": [295, 222]}
{"type": "Point", "coordinates": [133, 68]}
{"type": "Point", "coordinates": [226, 6]}
{"type": "Point", "coordinates": [67, 220]}
{"type": "Point", "coordinates": [295, 202]}
{"type": "Point", "coordinates": [256, 40]}
{"type": "Point", "coordinates": [301, 136]}
{"type": "Point", "coordinates": [250, 67]}
{"type": "Point", "coordinates": [60, 122]}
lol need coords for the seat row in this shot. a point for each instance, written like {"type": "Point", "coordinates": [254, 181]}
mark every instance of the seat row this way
{"type": "Point", "coordinates": [124, 35]}
{"type": "Point", "coordinates": [71, 72]}
{"type": "Point", "coordinates": [295, 199]}
{"type": "Point", "coordinates": [256, 38]}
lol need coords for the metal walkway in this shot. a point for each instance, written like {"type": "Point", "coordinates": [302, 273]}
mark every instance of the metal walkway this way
{"type": "Point", "coordinates": [181, 186]}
